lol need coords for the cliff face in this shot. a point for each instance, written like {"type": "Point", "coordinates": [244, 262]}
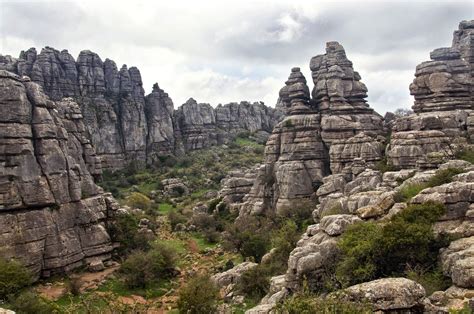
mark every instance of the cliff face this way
{"type": "Point", "coordinates": [52, 214]}
{"type": "Point", "coordinates": [123, 124]}
{"type": "Point", "coordinates": [444, 102]}
{"type": "Point", "coordinates": [318, 135]}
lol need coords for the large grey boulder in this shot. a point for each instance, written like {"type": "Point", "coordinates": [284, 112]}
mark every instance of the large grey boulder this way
{"type": "Point", "coordinates": [387, 294]}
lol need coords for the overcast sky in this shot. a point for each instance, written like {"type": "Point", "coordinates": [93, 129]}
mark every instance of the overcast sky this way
{"type": "Point", "coordinates": [223, 51]}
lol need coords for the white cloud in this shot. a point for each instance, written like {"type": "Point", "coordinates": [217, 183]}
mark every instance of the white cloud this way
{"type": "Point", "coordinates": [222, 51]}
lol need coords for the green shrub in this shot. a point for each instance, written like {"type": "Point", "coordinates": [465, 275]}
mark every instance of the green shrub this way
{"type": "Point", "coordinates": [443, 176]}
{"type": "Point", "coordinates": [124, 230]}
{"type": "Point", "coordinates": [383, 165]}
{"type": "Point", "coordinates": [141, 269]}
{"type": "Point", "coordinates": [432, 279]}
{"type": "Point", "coordinates": [309, 304]}
{"type": "Point", "coordinates": [138, 200]}
{"type": "Point", "coordinates": [13, 277]}
{"type": "Point", "coordinates": [176, 218]}
{"type": "Point", "coordinates": [254, 245]}
{"type": "Point", "coordinates": [408, 192]}
{"type": "Point", "coordinates": [254, 283]}
{"type": "Point", "coordinates": [29, 302]}
{"type": "Point", "coordinates": [466, 154]}
{"type": "Point", "coordinates": [199, 296]}
{"type": "Point", "coordinates": [370, 250]}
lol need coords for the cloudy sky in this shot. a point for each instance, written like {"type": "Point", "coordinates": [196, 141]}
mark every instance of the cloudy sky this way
{"type": "Point", "coordinates": [223, 51]}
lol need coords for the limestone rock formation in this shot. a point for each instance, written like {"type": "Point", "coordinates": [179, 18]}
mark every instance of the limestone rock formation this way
{"type": "Point", "coordinates": [444, 101]}
{"type": "Point", "coordinates": [295, 157]}
{"type": "Point", "coordinates": [125, 125]}
{"type": "Point", "coordinates": [319, 135]}
{"type": "Point", "coordinates": [159, 112]}
{"type": "Point", "coordinates": [396, 294]}
{"type": "Point", "coordinates": [52, 215]}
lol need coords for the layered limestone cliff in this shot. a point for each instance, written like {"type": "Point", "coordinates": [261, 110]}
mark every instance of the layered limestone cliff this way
{"type": "Point", "coordinates": [52, 215]}
{"type": "Point", "coordinates": [123, 124]}
{"type": "Point", "coordinates": [420, 146]}
{"type": "Point", "coordinates": [444, 102]}
{"type": "Point", "coordinates": [318, 136]}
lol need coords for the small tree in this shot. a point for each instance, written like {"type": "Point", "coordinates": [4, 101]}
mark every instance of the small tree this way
{"type": "Point", "coordinates": [199, 296]}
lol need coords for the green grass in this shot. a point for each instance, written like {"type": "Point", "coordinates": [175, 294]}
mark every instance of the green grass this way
{"type": "Point", "coordinates": [201, 241]}
{"type": "Point", "coordinates": [441, 177]}
{"type": "Point", "coordinates": [247, 142]}
{"type": "Point", "coordinates": [165, 208]}
{"type": "Point", "coordinates": [466, 154]}
{"type": "Point", "coordinates": [154, 290]}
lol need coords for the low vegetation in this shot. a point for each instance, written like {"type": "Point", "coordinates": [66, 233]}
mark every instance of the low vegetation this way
{"type": "Point", "coordinates": [13, 278]}
{"type": "Point", "coordinates": [309, 304]}
{"type": "Point", "coordinates": [142, 269]}
{"type": "Point", "coordinates": [444, 176]}
{"type": "Point", "coordinates": [372, 250]}
{"type": "Point", "coordinates": [198, 296]}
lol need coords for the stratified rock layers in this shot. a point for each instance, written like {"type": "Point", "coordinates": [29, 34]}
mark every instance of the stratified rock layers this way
{"type": "Point", "coordinates": [444, 101]}
{"type": "Point", "coordinates": [52, 215]}
{"type": "Point", "coordinates": [317, 136]}
{"type": "Point", "coordinates": [123, 124]}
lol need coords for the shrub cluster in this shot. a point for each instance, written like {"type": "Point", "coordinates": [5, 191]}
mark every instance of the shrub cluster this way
{"type": "Point", "coordinates": [370, 250]}
{"type": "Point", "coordinates": [441, 177]}
{"type": "Point", "coordinates": [198, 296]}
{"type": "Point", "coordinates": [13, 277]}
{"type": "Point", "coordinates": [141, 269]}
{"type": "Point", "coordinates": [309, 304]}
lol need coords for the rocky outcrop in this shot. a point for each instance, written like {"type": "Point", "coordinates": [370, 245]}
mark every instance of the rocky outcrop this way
{"type": "Point", "coordinates": [319, 135]}
{"type": "Point", "coordinates": [296, 159]}
{"type": "Point", "coordinates": [125, 125]}
{"type": "Point", "coordinates": [444, 101]}
{"type": "Point", "coordinates": [387, 294]}
{"type": "Point", "coordinates": [52, 215]}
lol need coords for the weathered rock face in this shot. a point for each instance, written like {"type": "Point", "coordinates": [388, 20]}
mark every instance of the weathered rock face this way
{"type": "Point", "coordinates": [387, 294]}
{"type": "Point", "coordinates": [295, 157]}
{"type": "Point", "coordinates": [159, 112]}
{"type": "Point", "coordinates": [122, 123]}
{"type": "Point", "coordinates": [334, 129]}
{"type": "Point", "coordinates": [444, 101]}
{"type": "Point", "coordinates": [52, 215]}
{"type": "Point", "coordinates": [340, 96]}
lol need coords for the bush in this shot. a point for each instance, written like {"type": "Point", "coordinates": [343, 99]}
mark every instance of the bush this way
{"type": "Point", "coordinates": [29, 302]}
{"type": "Point", "coordinates": [431, 280]}
{"type": "Point", "coordinates": [13, 277]}
{"type": "Point", "coordinates": [309, 304]}
{"type": "Point", "coordinates": [254, 283]}
{"type": "Point", "coordinates": [441, 177]}
{"type": "Point", "coordinates": [384, 166]}
{"type": "Point", "coordinates": [138, 200]}
{"type": "Point", "coordinates": [176, 218]}
{"type": "Point", "coordinates": [199, 296]}
{"type": "Point", "coordinates": [141, 269]}
{"type": "Point", "coordinates": [370, 250]}
{"type": "Point", "coordinates": [124, 230]}
{"type": "Point", "coordinates": [254, 245]}
{"type": "Point", "coordinates": [466, 154]}
{"type": "Point", "coordinates": [283, 241]}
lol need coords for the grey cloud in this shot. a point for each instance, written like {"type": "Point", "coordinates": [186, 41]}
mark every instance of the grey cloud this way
{"type": "Point", "coordinates": [244, 42]}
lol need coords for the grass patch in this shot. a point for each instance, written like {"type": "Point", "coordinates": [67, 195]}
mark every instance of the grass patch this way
{"type": "Point", "coordinates": [465, 154]}
{"type": "Point", "coordinates": [165, 208]}
{"type": "Point", "coordinates": [441, 177]}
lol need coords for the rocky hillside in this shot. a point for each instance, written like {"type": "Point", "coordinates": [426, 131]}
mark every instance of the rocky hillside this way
{"type": "Point", "coordinates": [333, 154]}
{"type": "Point", "coordinates": [52, 215]}
{"type": "Point", "coordinates": [318, 136]}
{"type": "Point", "coordinates": [122, 122]}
